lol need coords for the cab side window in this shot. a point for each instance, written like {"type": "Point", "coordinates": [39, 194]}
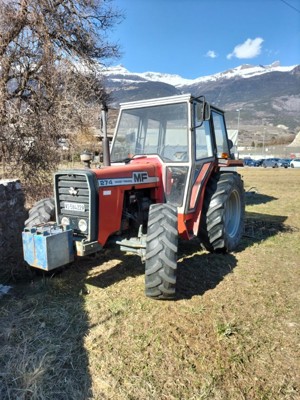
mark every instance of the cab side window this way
{"type": "Point", "coordinates": [203, 141]}
{"type": "Point", "coordinates": [220, 133]}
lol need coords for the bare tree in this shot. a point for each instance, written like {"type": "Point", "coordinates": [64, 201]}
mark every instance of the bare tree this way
{"type": "Point", "coordinates": [49, 54]}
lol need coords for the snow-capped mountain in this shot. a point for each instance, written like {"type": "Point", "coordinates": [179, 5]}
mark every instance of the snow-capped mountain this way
{"type": "Point", "coordinates": [269, 93]}
{"type": "Point", "coordinates": [244, 71]}
{"type": "Point", "coordinates": [119, 72]}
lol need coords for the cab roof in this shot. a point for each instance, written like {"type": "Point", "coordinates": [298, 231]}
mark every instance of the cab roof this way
{"type": "Point", "coordinates": [163, 100]}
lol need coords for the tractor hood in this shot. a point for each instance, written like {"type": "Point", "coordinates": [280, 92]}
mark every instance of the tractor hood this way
{"type": "Point", "coordinates": [140, 171]}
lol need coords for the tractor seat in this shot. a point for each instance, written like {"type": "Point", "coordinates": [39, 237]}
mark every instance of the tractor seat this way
{"type": "Point", "coordinates": [175, 153]}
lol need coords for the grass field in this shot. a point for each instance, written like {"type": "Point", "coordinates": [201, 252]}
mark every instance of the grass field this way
{"type": "Point", "coordinates": [88, 332]}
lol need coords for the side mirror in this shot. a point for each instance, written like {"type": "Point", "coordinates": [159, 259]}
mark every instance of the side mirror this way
{"type": "Point", "coordinates": [206, 113]}
{"type": "Point", "coordinates": [203, 111]}
{"type": "Point", "coordinates": [230, 144]}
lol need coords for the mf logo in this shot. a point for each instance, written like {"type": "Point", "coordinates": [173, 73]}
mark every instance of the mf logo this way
{"type": "Point", "coordinates": [140, 176]}
{"type": "Point", "coordinates": [73, 191]}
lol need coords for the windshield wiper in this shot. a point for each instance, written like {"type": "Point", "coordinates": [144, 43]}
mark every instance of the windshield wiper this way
{"type": "Point", "coordinates": [124, 160]}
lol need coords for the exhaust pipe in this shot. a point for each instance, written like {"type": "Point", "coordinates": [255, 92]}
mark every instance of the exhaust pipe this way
{"type": "Point", "coordinates": [105, 141]}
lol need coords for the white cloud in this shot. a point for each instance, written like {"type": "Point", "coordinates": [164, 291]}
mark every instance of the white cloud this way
{"type": "Point", "coordinates": [211, 54]}
{"type": "Point", "coordinates": [249, 49]}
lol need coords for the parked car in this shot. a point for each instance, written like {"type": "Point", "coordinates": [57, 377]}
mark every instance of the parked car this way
{"type": "Point", "coordinates": [271, 162]}
{"type": "Point", "coordinates": [288, 160]}
{"type": "Point", "coordinates": [248, 162]}
{"type": "Point", "coordinates": [258, 163]}
{"type": "Point", "coordinates": [284, 162]}
{"type": "Point", "coordinates": [295, 163]}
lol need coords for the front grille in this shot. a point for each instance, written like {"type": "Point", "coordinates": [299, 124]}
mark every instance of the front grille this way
{"type": "Point", "coordinates": [76, 193]}
{"type": "Point", "coordinates": [78, 185]}
{"type": "Point", "coordinates": [74, 201]}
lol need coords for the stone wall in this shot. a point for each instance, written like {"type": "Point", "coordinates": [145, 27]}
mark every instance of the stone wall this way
{"type": "Point", "coordinates": [12, 218]}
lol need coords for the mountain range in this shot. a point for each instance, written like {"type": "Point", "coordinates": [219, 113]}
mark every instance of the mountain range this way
{"type": "Point", "coordinates": [262, 97]}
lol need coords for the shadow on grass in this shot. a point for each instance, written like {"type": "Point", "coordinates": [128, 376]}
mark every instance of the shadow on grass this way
{"type": "Point", "coordinates": [127, 266]}
{"type": "Point", "coordinates": [196, 272]}
{"type": "Point", "coordinates": [253, 198]}
{"type": "Point", "coordinates": [43, 324]}
{"type": "Point", "coordinates": [260, 227]}
{"type": "Point", "coordinates": [199, 272]}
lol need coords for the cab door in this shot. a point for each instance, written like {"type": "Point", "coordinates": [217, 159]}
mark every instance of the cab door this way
{"type": "Point", "coordinates": [204, 154]}
{"type": "Point", "coordinates": [220, 134]}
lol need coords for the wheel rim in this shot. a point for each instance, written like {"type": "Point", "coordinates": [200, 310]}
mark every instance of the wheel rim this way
{"type": "Point", "coordinates": [233, 213]}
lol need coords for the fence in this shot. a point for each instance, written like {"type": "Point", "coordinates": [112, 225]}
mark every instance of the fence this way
{"type": "Point", "coordinates": [279, 151]}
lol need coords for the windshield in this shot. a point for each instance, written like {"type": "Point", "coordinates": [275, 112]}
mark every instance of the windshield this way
{"type": "Point", "coordinates": [161, 130]}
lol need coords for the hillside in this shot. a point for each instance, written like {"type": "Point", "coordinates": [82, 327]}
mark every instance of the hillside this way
{"type": "Point", "coordinates": [267, 96]}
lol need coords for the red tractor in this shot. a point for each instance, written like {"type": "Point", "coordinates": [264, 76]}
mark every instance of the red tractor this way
{"type": "Point", "coordinates": [169, 174]}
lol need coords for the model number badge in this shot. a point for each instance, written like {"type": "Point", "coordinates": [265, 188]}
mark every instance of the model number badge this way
{"type": "Point", "coordinates": [136, 178]}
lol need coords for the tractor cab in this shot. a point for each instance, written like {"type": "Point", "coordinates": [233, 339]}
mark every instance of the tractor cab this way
{"type": "Point", "coordinates": [185, 133]}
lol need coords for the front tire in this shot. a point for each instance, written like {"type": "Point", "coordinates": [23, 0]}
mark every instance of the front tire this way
{"type": "Point", "coordinates": [42, 212]}
{"type": "Point", "coordinates": [222, 219]}
{"type": "Point", "coordinates": [161, 252]}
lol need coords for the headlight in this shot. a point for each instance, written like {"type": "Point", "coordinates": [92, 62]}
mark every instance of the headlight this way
{"type": "Point", "coordinates": [82, 225]}
{"type": "Point", "coordinates": [65, 221]}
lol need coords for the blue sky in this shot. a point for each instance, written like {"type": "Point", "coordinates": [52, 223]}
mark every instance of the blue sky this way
{"type": "Point", "coordinates": [194, 38]}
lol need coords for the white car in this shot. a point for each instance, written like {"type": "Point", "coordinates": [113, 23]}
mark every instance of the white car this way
{"type": "Point", "coordinates": [295, 163]}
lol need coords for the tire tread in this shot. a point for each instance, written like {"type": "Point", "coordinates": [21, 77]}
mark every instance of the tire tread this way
{"type": "Point", "coordinates": [212, 232]}
{"type": "Point", "coordinates": [161, 252]}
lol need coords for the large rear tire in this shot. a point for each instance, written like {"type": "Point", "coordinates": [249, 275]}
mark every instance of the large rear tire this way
{"type": "Point", "coordinates": [161, 252]}
{"type": "Point", "coordinates": [42, 212]}
{"type": "Point", "coordinates": [222, 220]}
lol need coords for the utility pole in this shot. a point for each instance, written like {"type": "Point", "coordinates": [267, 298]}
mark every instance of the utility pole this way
{"type": "Point", "coordinates": [238, 124]}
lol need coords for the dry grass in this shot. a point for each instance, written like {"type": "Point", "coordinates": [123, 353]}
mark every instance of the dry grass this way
{"type": "Point", "coordinates": [89, 333]}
